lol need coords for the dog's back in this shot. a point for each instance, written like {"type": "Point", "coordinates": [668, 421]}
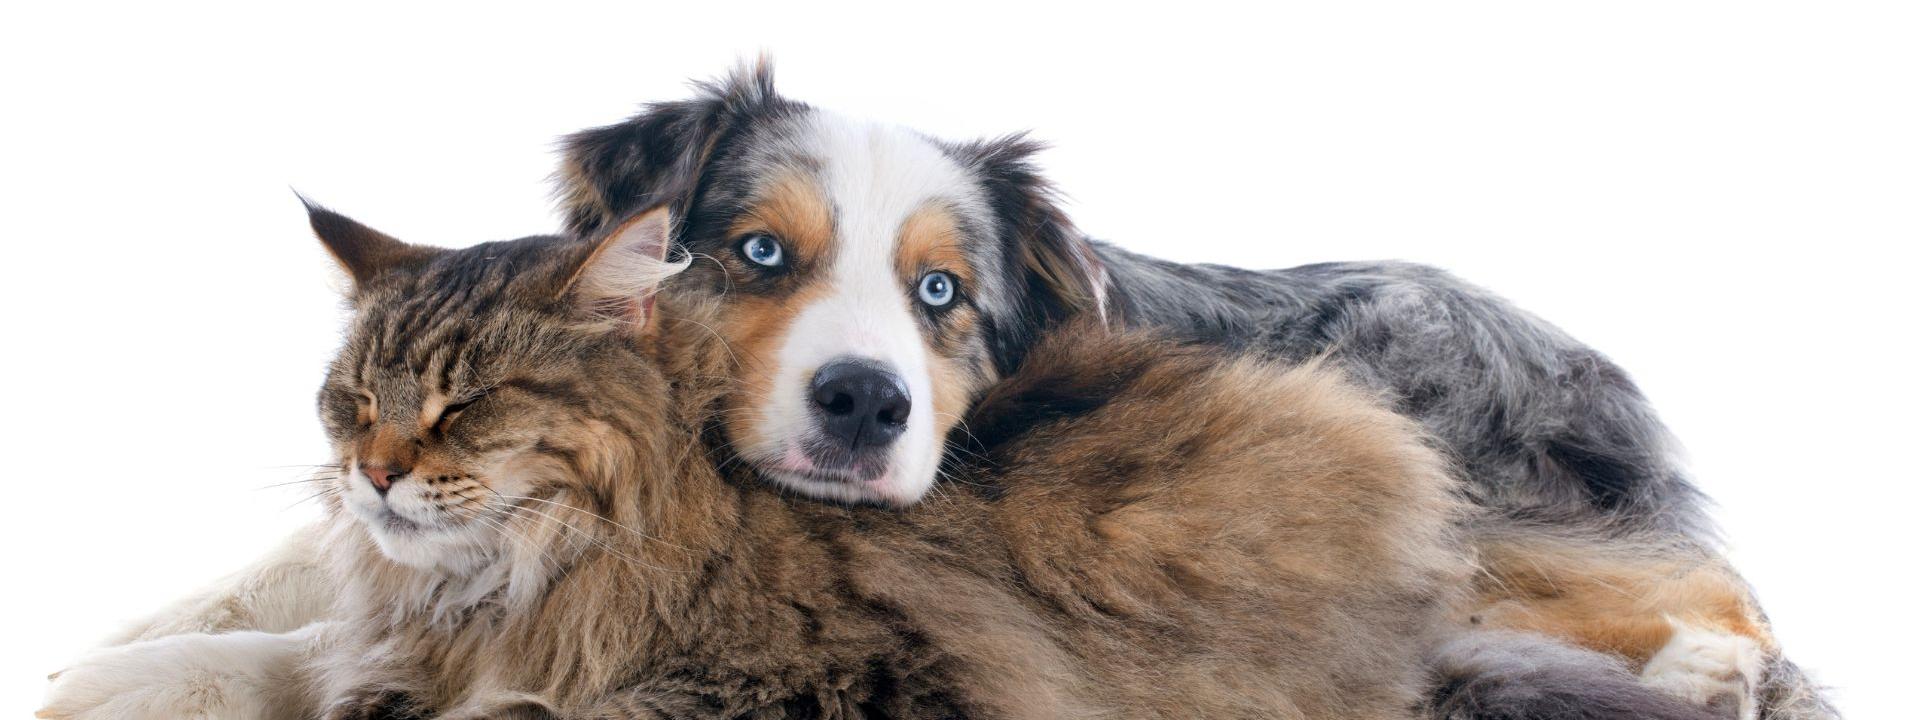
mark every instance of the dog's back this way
{"type": "Point", "coordinates": [1594, 535]}
{"type": "Point", "coordinates": [1536, 419]}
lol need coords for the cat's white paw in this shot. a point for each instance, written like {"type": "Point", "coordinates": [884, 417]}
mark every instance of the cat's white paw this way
{"type": "Point", "coordinates": [199, 677]}
{"type": "Point", "coordinates": [1711, 668]}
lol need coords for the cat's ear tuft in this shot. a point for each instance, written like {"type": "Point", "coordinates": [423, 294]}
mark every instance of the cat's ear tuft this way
{"type": "Point", "coordinates": [618, 279]}
{"type": "Point", "coordinates": [365, 253]}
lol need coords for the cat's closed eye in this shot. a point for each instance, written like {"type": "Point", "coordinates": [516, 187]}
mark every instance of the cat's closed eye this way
{"type": "Point", "coordinates": [451, 412]}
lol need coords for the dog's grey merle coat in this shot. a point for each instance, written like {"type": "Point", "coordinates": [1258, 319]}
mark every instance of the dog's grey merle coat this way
{"type": "Point", "coordinates": [1540, 422]}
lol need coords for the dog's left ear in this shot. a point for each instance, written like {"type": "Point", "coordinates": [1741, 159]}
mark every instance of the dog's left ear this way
{"type": "Point", "coordinates": [1061, 274]}
{"type": "Point", "coordinates": [621, 272]}
{"type": "Point", "coordinates": [660, 155]}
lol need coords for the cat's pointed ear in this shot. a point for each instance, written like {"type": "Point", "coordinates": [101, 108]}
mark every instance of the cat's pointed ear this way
{"type": "Point", "coordinates": [365, 253]}
{"type": "Point", "coordinates": [618, 278]}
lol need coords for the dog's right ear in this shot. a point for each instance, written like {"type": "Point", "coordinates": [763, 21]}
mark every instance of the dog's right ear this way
{"type": "Point", "coordinates": [365, 253]}
{"type": "Point", "coordinates": [656, 158]}
{"type": "Point", "coordinates": [1062, 275]}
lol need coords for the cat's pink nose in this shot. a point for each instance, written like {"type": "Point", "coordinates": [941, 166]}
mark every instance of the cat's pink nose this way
{"type": "Point", "coordinates": [382, 476]}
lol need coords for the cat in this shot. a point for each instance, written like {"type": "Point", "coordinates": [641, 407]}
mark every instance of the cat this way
{"type": "Point", "coordinates": [529, 522]}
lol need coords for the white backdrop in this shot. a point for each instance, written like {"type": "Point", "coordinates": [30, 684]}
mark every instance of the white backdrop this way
{"type": "Point", "coordinates": [1722, 196]}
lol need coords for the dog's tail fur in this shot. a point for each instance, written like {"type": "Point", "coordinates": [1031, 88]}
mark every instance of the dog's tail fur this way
{"type": "Point", "coordinates": [1505, 675]}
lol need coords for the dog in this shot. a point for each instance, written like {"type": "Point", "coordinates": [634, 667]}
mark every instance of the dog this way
{"type": "Point", "coordinates": [875, 281]}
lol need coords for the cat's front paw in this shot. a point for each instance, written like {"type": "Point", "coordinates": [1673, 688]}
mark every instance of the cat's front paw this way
{"type": "Point", "coordinates": [1711, 668]}
{"type": "Point", "coordinates": [175, 677]}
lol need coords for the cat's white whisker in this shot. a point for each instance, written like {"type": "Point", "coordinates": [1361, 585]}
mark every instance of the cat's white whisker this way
{"type": "Point", "coordinates": [610, 521]}
{"type": "Point", "coordinates": [515, 537]}
{"type": "Point", "coordinates": [604, 545]}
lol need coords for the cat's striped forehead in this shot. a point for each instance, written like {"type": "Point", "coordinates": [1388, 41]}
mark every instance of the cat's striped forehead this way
{"type": "Point", "coordinates": [458, 323]}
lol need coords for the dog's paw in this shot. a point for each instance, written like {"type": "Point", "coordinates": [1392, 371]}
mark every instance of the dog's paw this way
{"type": "Point", "coordinates": [165, 678]}
{"type": "Point", "coordinates": [1711, 668]}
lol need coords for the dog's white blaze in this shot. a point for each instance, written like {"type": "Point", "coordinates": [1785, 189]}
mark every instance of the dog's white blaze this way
{"type": "Point", "coordinates": [876, 176]}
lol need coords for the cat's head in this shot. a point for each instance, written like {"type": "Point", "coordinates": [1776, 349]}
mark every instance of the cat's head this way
{"type": "Point", "coordinates": [485, 397]}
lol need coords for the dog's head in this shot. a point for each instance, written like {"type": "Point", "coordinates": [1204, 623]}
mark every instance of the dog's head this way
{"type": "Point", "coordinates": [871, 281]}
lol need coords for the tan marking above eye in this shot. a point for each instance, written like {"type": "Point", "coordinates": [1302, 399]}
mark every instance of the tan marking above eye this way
{"type": "Point", "coordinates": [930, 240]}
{"type": "Point", "coordinates": [792, 208]}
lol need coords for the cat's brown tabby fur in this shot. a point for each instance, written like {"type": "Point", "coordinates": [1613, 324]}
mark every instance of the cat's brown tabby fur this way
{"type": "Point", "coordinates": [1140, 530]}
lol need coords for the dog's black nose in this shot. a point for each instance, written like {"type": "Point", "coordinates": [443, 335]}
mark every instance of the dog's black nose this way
{"type": "Point", "coordinates": [861, 403]}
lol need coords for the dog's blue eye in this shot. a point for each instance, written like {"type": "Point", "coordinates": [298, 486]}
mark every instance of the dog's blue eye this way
{"type": "Point", "coordinates": [936, 289]}
{"type": "Point", "coordinates": [763, 250]}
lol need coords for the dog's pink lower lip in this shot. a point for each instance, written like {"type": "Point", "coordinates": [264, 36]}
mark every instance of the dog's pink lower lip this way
{"type": "Point", "coordinates": [827, 475]}
{"type": "Point", "coordinates": [794, 461]}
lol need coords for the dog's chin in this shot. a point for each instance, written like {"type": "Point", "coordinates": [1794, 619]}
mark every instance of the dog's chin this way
{"type": "Point", "coordinates": [832, 488]}
{"type": "Point", "coordinates": [887, 484]}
